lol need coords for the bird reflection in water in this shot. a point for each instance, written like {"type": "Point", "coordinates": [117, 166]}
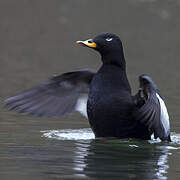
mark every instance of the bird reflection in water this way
{"type": "Point", "coordinates": [114, 159]}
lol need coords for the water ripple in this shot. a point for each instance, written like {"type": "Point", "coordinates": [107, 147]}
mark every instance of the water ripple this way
{"type": "Point", "coordinates": [87, 134]}
{"type": "Point", "coordinates": [70, 134]}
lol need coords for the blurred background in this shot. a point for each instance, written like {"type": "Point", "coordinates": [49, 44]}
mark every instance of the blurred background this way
{"type": "Point", "coordinates": [37, 40]}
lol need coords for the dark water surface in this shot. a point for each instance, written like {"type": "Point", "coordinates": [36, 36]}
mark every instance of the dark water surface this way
{"type": "Point", "coordinates": [37, 40]}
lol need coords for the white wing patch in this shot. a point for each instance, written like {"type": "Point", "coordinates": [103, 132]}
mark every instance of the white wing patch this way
{"type": "Point", "coordinates": [81, 105]}
{"type": "Point", "coordinates": [164, 115]}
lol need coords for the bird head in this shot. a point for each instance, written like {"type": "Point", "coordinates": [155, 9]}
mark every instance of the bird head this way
{"type": "Point", "coordinates": [108, 45]}
{"type": "Point", "coordinates": [104, 43]}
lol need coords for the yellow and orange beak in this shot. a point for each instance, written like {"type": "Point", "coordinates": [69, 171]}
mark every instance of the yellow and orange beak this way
{"type": "Point", "coordinates": [87, 43]}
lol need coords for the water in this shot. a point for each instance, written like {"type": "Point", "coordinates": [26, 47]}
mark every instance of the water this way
{"type": "Point", "coordinates": [70, 134]}
{"type": "Point", "coordinates": [75, 154]}
{"type": "Point", "coordinates": [37, 40]}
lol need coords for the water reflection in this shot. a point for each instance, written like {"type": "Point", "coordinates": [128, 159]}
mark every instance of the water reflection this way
{"type": "Point", "coordinates": [113, 159]}
{"type": "Point", "coordinates": [79, 159]}
{"type": "Point", "coordinates": [163, 163]}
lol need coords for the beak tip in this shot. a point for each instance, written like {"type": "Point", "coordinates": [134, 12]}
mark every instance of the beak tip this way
{"type": "Point", "coordinates": [78, 42]}
{"type": "Point", "coordinates": [87, 43]}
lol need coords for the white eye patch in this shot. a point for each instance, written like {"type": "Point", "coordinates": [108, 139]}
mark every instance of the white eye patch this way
{"type": "Point", "coordinates": [109, 39]}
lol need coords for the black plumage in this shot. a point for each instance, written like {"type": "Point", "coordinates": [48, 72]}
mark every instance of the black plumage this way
{"type": "Point", "coordinates": [54, 98]}
{"type": "Point", "coordinates": [111, 109]}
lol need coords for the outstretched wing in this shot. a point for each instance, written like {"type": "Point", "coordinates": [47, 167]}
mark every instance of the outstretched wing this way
{"type": "Point", "coordinates": [58, 96]}
{"type": "Point", "coordinates": [151, 109]}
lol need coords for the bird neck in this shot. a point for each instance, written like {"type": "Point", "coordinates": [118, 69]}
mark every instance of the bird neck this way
{"type": "Point", "coordinates": [114, 58]}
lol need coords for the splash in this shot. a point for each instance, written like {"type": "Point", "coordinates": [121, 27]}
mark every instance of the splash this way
{"type": "Point", "coordinates": [175, 138]}
{"type": "Point", "coordinates": [70, 134]}
{"type": "Point", "coordinates": [87, 134]}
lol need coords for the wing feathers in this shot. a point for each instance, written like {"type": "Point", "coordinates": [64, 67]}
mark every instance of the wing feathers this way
{"type": "Point", "coordinates": [152, 112]}
{"type": "Point", "coordinates": [59, 96]}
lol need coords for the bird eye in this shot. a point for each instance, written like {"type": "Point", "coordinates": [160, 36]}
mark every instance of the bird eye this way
{"type": "Point", "coordinates": [109, 39]}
